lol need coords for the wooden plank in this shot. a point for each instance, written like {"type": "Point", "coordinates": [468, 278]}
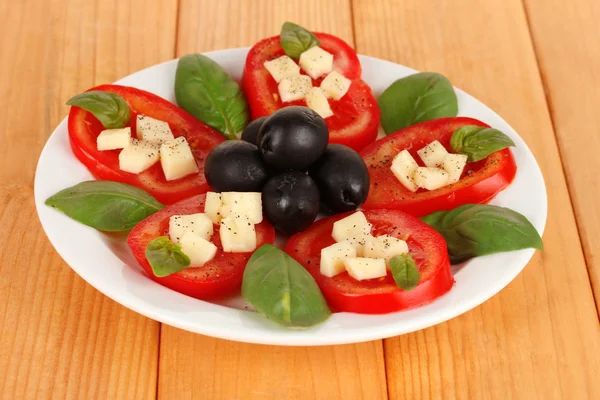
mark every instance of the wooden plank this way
{"type": "Point", "coordinates": [59, 337]}
{"type": "Point", "coordinates": [195, 366]}
{"type": "Point", "coordinates": [540, 337]}
{"type": "Point", "coordinates": [566, 42]}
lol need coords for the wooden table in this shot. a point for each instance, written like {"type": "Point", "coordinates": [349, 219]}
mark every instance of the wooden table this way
{"type": "Point", "coordinates": [536, 62]}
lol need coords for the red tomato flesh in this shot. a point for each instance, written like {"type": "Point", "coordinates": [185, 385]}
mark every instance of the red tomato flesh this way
{"type": "Point", "coordinates": [219, 277]}
{"type": "Point", "coordinates": [480, 181]}
{"type": "Point", "coordinates": [382, 295]}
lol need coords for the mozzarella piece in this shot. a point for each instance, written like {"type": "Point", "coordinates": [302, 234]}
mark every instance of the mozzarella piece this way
{"type": "Point", "coordinates": [294, 88]}
{"type": "Point", "coordinates": [335, 85]}
{"type": "Point", "coordinates": [361, 268]}
{"type": "Point", "coordinates": [237, 235]}
{"type": "Point", "coordinates": [177, 159]}
{"type": "Point", "coordinates": [242, 205]}
{"type": "Point", "coordinates": [316, 62]}
{"type": "Point", "coordinates": [316, 100]}
{"type": "Point", "coordinates": [153, 130]}
{"type": "Point", "coordinates": [198, 249]}
{"type": "Point", "coordinates": [113, 139]}
{"type": "Point", "coordinates": [431, 178]}
{"type": "Point", "coordinates": [138, 156]}
{"type": "Point", "coordinates": [332, 258]}
{"type": "Point", "coordinates": [433, 154]}
{"type": "Point", "coordinates": [355, 229]}
{"type": "Point", "coordinates": [199, 224]}
{"type": "Point", "coordinates": [454, 164]}
{"type": "Point", "coordinates": [403, 168]}
{"type": "Point", "coordinates": [282, 67]}
{"type": "Point", "coordinates": [385, 246]}
{"type": "Point", "coordinates": [212, 206]}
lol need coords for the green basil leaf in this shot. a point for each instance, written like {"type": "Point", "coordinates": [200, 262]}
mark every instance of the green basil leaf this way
{"type": "Point", "coordinates": [478, 229]}
{"type": "Point", "coordinates": [110, 108]}
{"type": "Point", "coordinates": [295, 40]}
{"type": "Point", "coordinates": [417, 98]}
{"type": "Point", "coordinates": [282, 290]}
{"type": "Point", "coordinates": [165, 257]}
{"type": "Point", "coordinates": [405, 272]}
{"type": "Point", "coordinates": [105, 205]}
{"type": "Point", "coordinates": [478, 142]}
{"type": "Point", "coordinates": [205, 90]}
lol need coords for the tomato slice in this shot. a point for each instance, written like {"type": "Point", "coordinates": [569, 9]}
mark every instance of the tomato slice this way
{"type": "Point", "coordinates": [356, 115]}
{"type": "Point", "coordinates": [480, 181]}
{"type": "Point", "coordinates": [84, 128]}
{"type": "Point", "coordinates": [217, 278]}
{"type": "Point", "coordinates": [382, 295]}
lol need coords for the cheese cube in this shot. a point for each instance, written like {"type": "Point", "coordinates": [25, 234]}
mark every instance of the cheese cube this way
{"type": "Point", "coordinates": [112, 139]}
{"type": "Point", "coordinates": [361, 268]}
{"type": "Point", "coordinates": [454, 164]}
{"type": "Point", "coordinates": [242, 205]}
{"type": "Point", "coordinates": [316, 100]}
{"type": "Point", "coordinates": [212, 206]}
{"type": "Point", "coordinates": [403, 168]}
{"type": "Point", "coordinates": [335, 85]}
{"type": "Point", "coordinates": [294, 88]}
{"type": "Point", "coordinates": [138, 156]}
{"type": "Point", "coordinates": [433, 154]}
{"type": "Point", "coordinates": [431, 178]}
{"type": "Point", "coordinates": [354, 228]}
{"type": "Point", "coordinates": [282, 67]}
{"type": "Point", "coordinates": [237, 235]}
{"type": "Point", "coordinates": [385, 246]}
{"type": "Point", "coordinates": [198, 224]}
{"type": "Point", "coordinates": [332, 258]}
{"type": "Point", "coordinates": [199, 250]}
{"type": "Point", "coordinates": [316, 62]}
{"type": "Point", "coordinates": [153, 130]}
{"type": "Point", "coordinates": [177, 159]}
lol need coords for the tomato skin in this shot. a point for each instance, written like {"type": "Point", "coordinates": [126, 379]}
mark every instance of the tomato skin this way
{"type": "Point", "coordinates": [84, 128]}
{"type": "Point", "coordinates": [378, 296]}
{"type": "Point", "coordinates": [488, 177]}
{"type": "Point", "coordinates": [219, 277]}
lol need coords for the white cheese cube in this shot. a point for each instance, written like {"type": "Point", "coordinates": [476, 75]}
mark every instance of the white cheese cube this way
{"type": "Point", "coordinates": [335, 85]}
{"type": "Point", "coordinates": [177, 159]}
{"type": "Point", "coordinates": [454, 164]}
{"type": "Point", "coordinates": [152, 130]}
{"type": "Point", "coordinates": [242, 205]}
{"type": "Point", "coordinates": [433, 154]}
{"type": "Point", "coordinates": [282, 67]}
{"type": "Point", "coordinates": [198, 224]}
{"type": "Point", "coordinates": [237, 235]}
{"type": "Point", "coordinates": [431, 178]}
{"type": "Point", "coordinates": [212, 206]}
{"type": "Point", "coordinates": [403, 168]}
{"type": "Point", "coordinates": [316, 100]}
{"type": "Point", "coordinates": [113, 139]}
{"type": "Point", "coordinates": [354, 228]}
{"type": "Point", "coordinates": [361, 268]}
{"type": "Point", "coordinates": [316, 62]}
{"type": "Point", "coordinates": [138, 156]}
{"type": "Point", "coordinates": [294, 88]}
{"type": "Point", "coordinates": [385, 246]}
{"type": "Point", "coordinates": [199, 250]}
{"type": "Point", "coordinates": [332, 258]}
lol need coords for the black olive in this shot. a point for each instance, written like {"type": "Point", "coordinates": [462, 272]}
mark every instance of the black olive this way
{"type": "Point", "coordinates": [342, 178]}
{"type": "Point", "coordinates": [235, 166]}
{"type": "Point", "coordinates": [293, 138]}
{"type": "Point", "coordinates": [251, 131]}
{"type": "Point", "coordinates": [290, 201]}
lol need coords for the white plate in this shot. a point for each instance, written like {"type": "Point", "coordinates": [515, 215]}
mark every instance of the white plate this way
{"type": "Point", "coordinates": [105, 262]}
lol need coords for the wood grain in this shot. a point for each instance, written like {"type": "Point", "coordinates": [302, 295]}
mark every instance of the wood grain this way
{"type": "Point", "coordinates": [566, 41]}
{"type": "Point", "coordinates": [59, 337]}
{"type": "Point", "coordinates": [540, 337]}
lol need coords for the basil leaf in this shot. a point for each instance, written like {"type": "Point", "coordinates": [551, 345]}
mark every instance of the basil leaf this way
{"type": "Point", "coordinates": [417, 98]}
{"type": "Point", "coordinates": [295, 40]}
{"type": "Point", "coordinates": [110, 108]}
{"type": "Point", "coordinates": [282, 290]}
{"type": "Point", "coordinates": [478, 142]}
{"type": "Point", "coordinates": [105, 205]}
{"type": "Point", "coordinates": [165, 257]}
{"type": "Point", "coordinates": [405, 272]}
{"type": "Point", "coordinates": [205, 90]}
{"type": "Point", "coordinates": [478, 229]}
